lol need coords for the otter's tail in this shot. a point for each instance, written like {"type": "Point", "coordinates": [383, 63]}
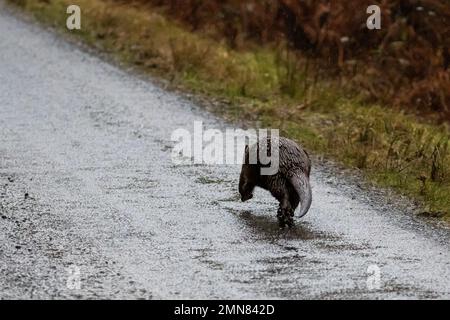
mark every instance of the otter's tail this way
{"type": "Point", "coordinates": [302, 186]}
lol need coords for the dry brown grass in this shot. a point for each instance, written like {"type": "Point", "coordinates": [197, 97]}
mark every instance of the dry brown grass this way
{"type": "Point", "coordinates": [405, 64]}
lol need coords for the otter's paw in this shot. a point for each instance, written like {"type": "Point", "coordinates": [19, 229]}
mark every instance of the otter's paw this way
{"type": "Point", "coordinates": [280, 216]}
{"type": "Point", "coordinates": [290, 217]}
{"type": "Point", "coordinates": [289, 221]}
{"type": "Point", "coordinates": [285, 217]}
{"type": "Point", "coordinates": [281, 223]}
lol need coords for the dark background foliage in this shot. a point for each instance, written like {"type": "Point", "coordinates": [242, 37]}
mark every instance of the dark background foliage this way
{"type": "Point", "coordinates": [405, 64]}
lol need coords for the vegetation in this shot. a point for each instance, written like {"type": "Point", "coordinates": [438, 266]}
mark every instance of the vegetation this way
{"type": "Point", "coordinates": [405, 63]}
{"type": "Point", "coordinates": [273, 84]}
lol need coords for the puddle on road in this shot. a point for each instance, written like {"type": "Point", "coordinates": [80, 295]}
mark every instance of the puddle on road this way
{"type": "Point", "coordinates": [208, 180]}
{"type": "Point", "coordinates": [128, 183]}
{"type": "Point", "coordinates": [392, 288]}
{"type": "Point", "coordinates": [267, 227]}
{"type": "Point", "coordinates": [203, 255]}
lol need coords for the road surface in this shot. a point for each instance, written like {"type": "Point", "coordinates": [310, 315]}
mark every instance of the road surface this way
{"type": "Point", "coordinates": [92, 206]}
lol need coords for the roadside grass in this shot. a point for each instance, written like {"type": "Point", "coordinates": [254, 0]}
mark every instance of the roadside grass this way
{"type": "Point", "coordinates": [272, 87]}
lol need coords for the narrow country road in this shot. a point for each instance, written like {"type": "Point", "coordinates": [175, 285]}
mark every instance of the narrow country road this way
{"type": "Point", "coordinates": [88, 192]}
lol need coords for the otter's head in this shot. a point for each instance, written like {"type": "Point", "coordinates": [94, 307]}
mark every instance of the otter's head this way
{"type": "Point", "coordinates": [246, 186]}
{"type": "Point", "coordinates": [248, 178]}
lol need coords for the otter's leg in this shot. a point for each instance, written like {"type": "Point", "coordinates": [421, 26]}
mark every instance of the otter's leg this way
{"type": "Point", "coordinates": [285, 213]}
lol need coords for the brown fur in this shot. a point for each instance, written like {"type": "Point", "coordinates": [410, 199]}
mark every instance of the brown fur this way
{"type": "Point", "coordinates": [290, 185]}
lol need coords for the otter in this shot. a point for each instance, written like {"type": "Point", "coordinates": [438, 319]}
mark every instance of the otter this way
{"type": "Point", "coordinates": [289, 185]}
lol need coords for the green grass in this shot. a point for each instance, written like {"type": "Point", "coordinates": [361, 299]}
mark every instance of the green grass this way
{"type": "Point", "coordinates": [272, 87]}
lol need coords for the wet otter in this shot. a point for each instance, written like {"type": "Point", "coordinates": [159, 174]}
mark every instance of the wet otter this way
{"type": "Point", "coordinates": [289, 185]}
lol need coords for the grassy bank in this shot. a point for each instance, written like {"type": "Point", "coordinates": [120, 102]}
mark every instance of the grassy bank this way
{"type": "Point", "coordinates": [277, 89]}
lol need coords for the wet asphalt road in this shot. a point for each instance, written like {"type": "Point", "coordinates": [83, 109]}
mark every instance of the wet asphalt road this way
{"type": "Point", "coordinates": [87, 185]}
